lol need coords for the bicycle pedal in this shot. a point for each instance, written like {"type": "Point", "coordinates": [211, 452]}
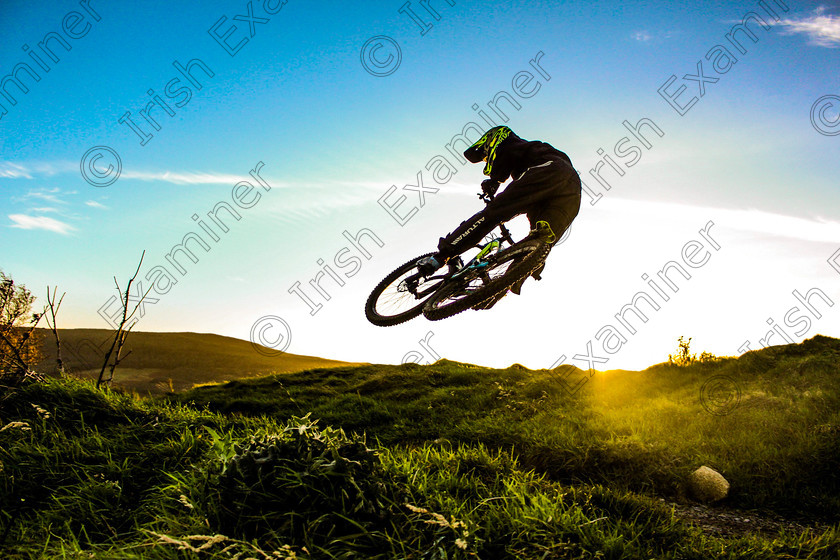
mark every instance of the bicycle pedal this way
{"type": "Point", "coordinates": [456, 264]}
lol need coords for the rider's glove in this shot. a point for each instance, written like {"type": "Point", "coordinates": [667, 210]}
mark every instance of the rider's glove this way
{"type": "Point", "coordinates": [489, 186]}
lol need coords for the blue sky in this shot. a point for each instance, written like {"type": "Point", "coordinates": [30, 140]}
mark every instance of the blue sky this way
{"type": "Point", "coordinates": [756, 155]}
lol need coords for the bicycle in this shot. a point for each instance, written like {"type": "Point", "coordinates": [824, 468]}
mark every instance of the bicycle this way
{"type": "Point", "coordinates": [405, 293]}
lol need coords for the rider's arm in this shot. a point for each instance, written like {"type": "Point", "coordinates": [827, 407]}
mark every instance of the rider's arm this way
{"type": "Point", "coordinates": [490, 186]}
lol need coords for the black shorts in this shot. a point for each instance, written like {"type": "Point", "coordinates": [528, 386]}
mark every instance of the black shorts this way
{"type": "Point", "coordinates": [549, 191]}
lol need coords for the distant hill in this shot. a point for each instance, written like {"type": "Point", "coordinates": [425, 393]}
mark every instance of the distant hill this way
{"type": "Point", "coordinates": [160, 362]}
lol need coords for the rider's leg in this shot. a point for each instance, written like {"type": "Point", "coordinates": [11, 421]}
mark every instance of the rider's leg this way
{"type": "Point", "coordinates": [558, 212]}
{"type": "Point", "coordinates": [559, 215]}
{"type": "Point", "coordinates": [538, 188]}
{"type": "Point", "coordinates": [469, 233]}
{"type": "Point", "coordinates": [472, 231]}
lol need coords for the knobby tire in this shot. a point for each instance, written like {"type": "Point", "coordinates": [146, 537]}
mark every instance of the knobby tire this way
{"type": "Point", "coordinates": [439, 307]}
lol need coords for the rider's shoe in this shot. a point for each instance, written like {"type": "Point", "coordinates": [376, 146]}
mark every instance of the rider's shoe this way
{"type": "Point", "coordinates": [542, 230]}
{"type": "Point", "coordinates": [428, 265]}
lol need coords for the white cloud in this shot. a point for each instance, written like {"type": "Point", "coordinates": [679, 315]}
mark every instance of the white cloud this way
{"type": "Point", "coordinates": [823, 30]}
{"type": "Point", "coordinates": [10, 170]}
{"type": "Point", "coordinates": [52, 195]}
{"type": "Point", "coordinates": [186, 178]}
{"type": "Point", "coordinates": [756, 221]}
{"type": "Point", "coordinates": [655, 37]}
{"type": "Point", "coordinates": [753, 221]}
{"type": "Point", "coordinates": [94, 204]}
{"type": "Point", "coordinates": [23, 221]}
{"type": "Point", "coordinates": [31, 170]}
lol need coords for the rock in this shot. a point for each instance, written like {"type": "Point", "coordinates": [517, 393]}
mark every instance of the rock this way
{"type": "Point", "coordinates": [707, 485]}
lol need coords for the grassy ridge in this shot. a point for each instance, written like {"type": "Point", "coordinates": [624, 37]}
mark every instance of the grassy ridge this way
{"type": "Point", "coordinates": [458, 462]}
{"type": "Point", "coordinates": [642, 431]}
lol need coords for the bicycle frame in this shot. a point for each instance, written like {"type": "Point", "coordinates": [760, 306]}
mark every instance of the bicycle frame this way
{"type": "Point", "coordinates": [478, 261]}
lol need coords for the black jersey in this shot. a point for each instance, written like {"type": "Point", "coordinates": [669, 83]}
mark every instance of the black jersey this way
{"type": "Point", "coordinates": [508, 155]}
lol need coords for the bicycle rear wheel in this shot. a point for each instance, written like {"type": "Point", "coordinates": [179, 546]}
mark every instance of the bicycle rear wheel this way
{"type": "Point", "coordinates": [502, 271]}
{"type": "Point", "coordinates": [399, 297]}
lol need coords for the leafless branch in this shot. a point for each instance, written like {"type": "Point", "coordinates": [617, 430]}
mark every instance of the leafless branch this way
{"type": "Point", "coordinates": [122, 333]}
{"type": "Point", "coordinates": [53, 308]}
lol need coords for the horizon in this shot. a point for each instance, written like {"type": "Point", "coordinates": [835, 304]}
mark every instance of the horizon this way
{"type": "Point", "coordinates": [275, 162]}
{"type": "Point", "coordinates": [267, 350]}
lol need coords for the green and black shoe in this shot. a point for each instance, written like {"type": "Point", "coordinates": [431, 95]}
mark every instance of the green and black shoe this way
{"type": "Point", "coordinates": [542, 230]}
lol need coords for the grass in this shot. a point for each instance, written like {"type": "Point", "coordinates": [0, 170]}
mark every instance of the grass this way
{"type": "Point", "coordinates": [642, 431]}
{"type": "Point", "coordinates": [441, 461]}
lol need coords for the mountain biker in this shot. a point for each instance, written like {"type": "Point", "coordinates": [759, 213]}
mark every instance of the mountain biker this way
{"type": "Point", "coordinates": [545, 187]}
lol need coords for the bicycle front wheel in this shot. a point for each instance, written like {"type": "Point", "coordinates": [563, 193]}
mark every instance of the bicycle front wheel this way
{"type": "Point", "coordinates": [482, 283]}
{"type": "Point", "coordinates": [400, 296]}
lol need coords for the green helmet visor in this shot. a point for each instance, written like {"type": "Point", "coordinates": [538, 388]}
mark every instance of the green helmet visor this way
{"type": "Point", "coordinates": [485, 148]}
